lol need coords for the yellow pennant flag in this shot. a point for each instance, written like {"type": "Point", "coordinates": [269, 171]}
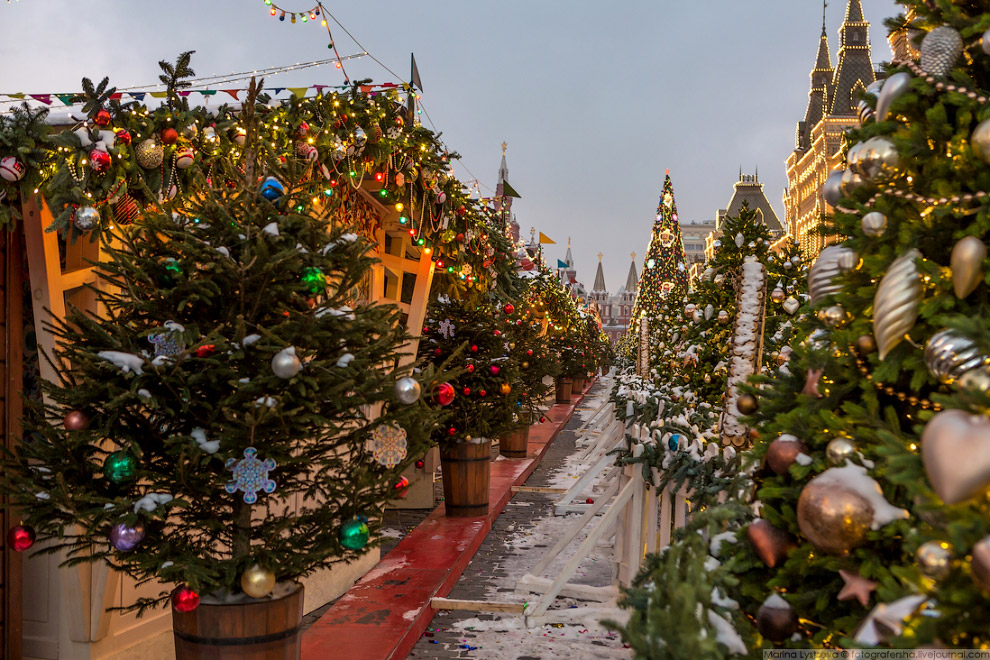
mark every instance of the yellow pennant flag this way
{"type": "Point", "coordinates": [546, 240]}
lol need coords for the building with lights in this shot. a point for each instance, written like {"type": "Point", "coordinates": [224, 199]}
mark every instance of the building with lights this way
{"type": "Point", "coordinates": [694, 237]}
{"type": "Point", "coordinates": [747, 189]}
{"type": "Point", "coordinates": [831, 110]}
{"type": "Point", "coordinates": [615, 310]}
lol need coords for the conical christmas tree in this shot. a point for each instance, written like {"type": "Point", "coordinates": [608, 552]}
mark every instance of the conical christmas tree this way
{"type": "Point", "coordinates": [664, 270]}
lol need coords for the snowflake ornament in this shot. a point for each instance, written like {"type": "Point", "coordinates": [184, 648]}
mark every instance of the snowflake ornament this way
{"type": "Point", "coordinates": [446, 328]}
{"type": "Point", "coordinates": [250, 475]}
{"type": "Point", "coordinates": [388, 444]}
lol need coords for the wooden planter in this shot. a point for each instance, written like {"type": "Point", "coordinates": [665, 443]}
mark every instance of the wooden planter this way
{"type": "Point", "coordinates": [577, 386]}
{"type": "Point", "coordinates": [255, 630]}
{"type": "Point", "coordinates": [563, 390]}
{"type": "Point", "coordinates": [466, 468]}
{"type": "Point", "coordinates": [515, 444]}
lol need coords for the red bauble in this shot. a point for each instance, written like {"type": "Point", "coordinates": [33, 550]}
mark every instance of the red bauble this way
{"type": "Point", "coordinates": [543, 419]}
{"type": "Point", "coordinates": [420, 464]}
{"type": "Point", "coordinates": [75, 420]}
{"type": "Point", "coordinates": [589, 501]}
{"type": "Point", "coordinates": [425, 330]}
{"type": "Point", "coordinates": [185, 599]}
{"type": "Point", "coordinates": [482, 392]}
{"type": "Point", "coordinates": [495, 369]}
{"type": "Point", "coordinates": [466, 391]}
{"type": "Point", "coordinates": [102, 118]}
{"type": "Point", "coordinates": [438, 352]}
{"type": "Point", "coordinates": [461, 211]}
{"type": "Point", "coordinates": [452, 431]}
{"type": "Point", "coordinates": [99, 160]}
{"type": "Point", "coordinates": [303, 130]}
{"type": "Point", "coordinates": [20, 537]}
{"type": "Point", "coordinates": [474, 348]}
{"type": "Point", "coordinates": [460, 238]}
{"type": "Point", "coordinates": [169, 136]}
{"type": "Point", "coordinates": [529, 352]}
{"type": "Point", "coordinates": [123, 135]}
{"type": "Point", "coordinates": [401, 483]}
{"type": "Point", "coordinates": [470, 368]}
{"type": "Point", "coordinates": [519, 322]}
{"type": "Point", "coordinates": [206, 350]}
{"type": "Point", "coordinates": [498, 333]}
{"type": "Point", "coordinates": [444, 394]}
{"type": "Point", "coordinates": [508, 308]}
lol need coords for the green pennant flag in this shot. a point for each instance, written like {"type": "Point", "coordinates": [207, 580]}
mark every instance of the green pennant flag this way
{"type": "Point", "coordinates": [509, 191]}
{"type": "Point", "coordinates": [66, 98]}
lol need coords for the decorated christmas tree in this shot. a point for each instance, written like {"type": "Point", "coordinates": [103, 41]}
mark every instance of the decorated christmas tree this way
{"type": "Point", "coordinates": [235, 418]}
{"type": "Point", "coordinates": [664, 272]}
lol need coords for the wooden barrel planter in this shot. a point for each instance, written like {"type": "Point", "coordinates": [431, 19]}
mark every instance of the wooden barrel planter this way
{"type": "Point", "coordinates": [263, 629]}
{"type": "Point", "coordinates": [515, 444]}
{"type": "Point", "coordinates": [577, 386]}
{"type": "Point", "coordinates": [563, 390]}
{"type": "Point", "coordinates": [465, 467]}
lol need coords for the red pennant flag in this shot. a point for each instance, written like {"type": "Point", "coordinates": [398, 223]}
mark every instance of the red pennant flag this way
{"type": "Point", "coordinates": [117, 96]}
{"type": "Point", "coordinates": [44, 98]}
{"type": "Point", "coordinates": [232, 92]}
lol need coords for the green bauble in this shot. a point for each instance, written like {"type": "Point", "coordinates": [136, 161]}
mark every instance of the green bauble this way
{"type": "Point", "coordinates": [354, 534]}
{"type": "Point", "coordinates": [120, 467]}
{"type": "Point", "coordinates": [314, 279]}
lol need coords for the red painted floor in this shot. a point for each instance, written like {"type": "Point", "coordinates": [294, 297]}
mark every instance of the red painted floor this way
{"type": "Point", "coordinates": [385, 613]}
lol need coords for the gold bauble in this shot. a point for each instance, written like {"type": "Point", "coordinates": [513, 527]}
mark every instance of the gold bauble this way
{"type": "Point", "coordinates": [777, 295]}
{"type": "Point", "coordinates": [257, 582]}
{"type": "Point", "coordinates": [723, 317]}
{"type": "Point", "coordinates": [935, 559]}
{"type": "Point", "coordinates": [835, 519]}
{"type": "Point", "coordinates": [747, 404]}
{"type": "Point", "coordinates": [149, 154]}
{"type": "Point", "coordinates": [966, 263]}
{"type": "Point", "coordinates": [838, 450]}
{"type": "Point", "coordinates": [865, 344]}
{"type": "Point", "coordinates": [505, 388]}
{"type": "Point", "coordinates": [783, 453]}
{"type": "Point", "coordinates": [525, 365]}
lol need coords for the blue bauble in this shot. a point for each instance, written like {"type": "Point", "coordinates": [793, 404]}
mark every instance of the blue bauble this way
{"type": "Point", "coordinates": [272, 189]}
{"type": "Point", "coordinates": [674, 441]}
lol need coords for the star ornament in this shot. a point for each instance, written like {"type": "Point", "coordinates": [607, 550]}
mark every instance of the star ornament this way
{"type": "Point", "coordinates": [856, 586]}
{"type": "Point", "coordinates": [811, 383]}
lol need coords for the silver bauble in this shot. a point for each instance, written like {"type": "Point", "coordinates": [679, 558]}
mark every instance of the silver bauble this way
{"type": "Point", "coordinates": [874, 223]}
{"type": "Point", "coordinates": [791, 305]}
{"type": "Point", "coordinates": [85, 218]}
{"type": "Point", "coordinates": [893, 88]}
{"type": "Point", "coordinates": [949, 355]}
{"type": "Point", "coordinates": [977, 380]}
{"type": "Point", "coordinates": [796, 259]}
{"type": "Point", "coordinates": [286, 364]}
{"type": "Point", "coordinates": [708, 275]}
{"type": "Point", "coordinates": [850, 182]}
{"type": "Point", "coordinates": [966, 263]}
{"type": "Point", "coordinates": [854, 157]}
{"type": "Point", "coordinates": [839, 450]}
{"type": "Point", "coordinates": [934, 559]}
{"type": "Point", "coordinates": [831, 261]}
{"type": "Point", "coordinates": [939, 51]}
{"type": "Point", "coordinates": [880, 159]}
{"type": "Point", "coordinates": [360, 137]}
{"type": "Point", "coordinates": [833, 316]}
{"type": "Point", "coordinates": [895, 305]}
{"type": "Point", "coordinates": [832, 188]}
{"type": "Point", "coordinates": [709, 311]}
{"type": "Point", "coordinates": [778, 295]}
{"type": "Point", "coordinates": [407, 390]}
{"type": "Point", "coordinates": [980, 140]}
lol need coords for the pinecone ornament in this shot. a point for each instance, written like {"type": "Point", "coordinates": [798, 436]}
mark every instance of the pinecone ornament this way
{"type": "Point", "coordinates": [939, 51]}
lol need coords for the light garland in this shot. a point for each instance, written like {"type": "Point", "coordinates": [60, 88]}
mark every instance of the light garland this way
{"type": "Point", "coordinates": [307, 15]}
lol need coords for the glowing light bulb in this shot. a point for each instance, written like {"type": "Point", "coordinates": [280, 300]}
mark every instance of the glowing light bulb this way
{"type": "Point", "coordinates": [403, 220]}
{"type": "Point", "coordinates": [399, 207]}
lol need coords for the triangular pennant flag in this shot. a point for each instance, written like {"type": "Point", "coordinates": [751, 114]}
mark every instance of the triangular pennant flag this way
{"type": "Point", "coordinates": [184, 94]}
{"type": "Point", "coordinates": [19, 95]}
{"type": "Point", "coordinates": [44, 98]}
{"type": "Point", "coordinates": [207, 92]}
{"type": "Point", "coordinates": [299, 91]}
{"type": "Point", "coordinates": [546, 240]}
{"type": "Point", "coordinates": [116, 96]}
{"type": "Point", "coordinates": [561, 264]}
{"type": "Point", "coordinates": [137, 95]}
{"type": "Point", "coordinates": [232, 92]}
{"type": "Point", "coordinates": [365, 89]}
{"type": "Point", "coordinates": [509, 191]}
{"type": "Point", "coordinates": [277, 90]}
{"type": "Point", "coordinates": [414, 74]}
{"type": "Point", "coordinates": [66, 98]}
{"type": "Point", "coordinates": [319, 88]}
{"type": "Point", "coordinates": [159, 95]}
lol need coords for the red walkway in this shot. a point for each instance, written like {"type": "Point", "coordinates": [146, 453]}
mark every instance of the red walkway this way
{"type": "Point", "coordinates": [386, 612]}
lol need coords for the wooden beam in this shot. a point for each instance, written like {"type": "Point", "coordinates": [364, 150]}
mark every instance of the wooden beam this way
{"type": "Point", "coordinates": [476, 606]}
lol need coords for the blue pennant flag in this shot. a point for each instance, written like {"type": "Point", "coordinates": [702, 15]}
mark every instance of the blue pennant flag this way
{"type": "Point", "coordinates": [561, 264]}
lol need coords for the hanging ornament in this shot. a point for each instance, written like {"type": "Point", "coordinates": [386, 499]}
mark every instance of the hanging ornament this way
{"type": "Point", "coordinates": [980, 140]}
{"type": "Point", "coordinates": [354, 534]}
{"type": "Point", "coordinates": [495, 369]}
{"type": "Point", "coordinates": [407, 390]}
{"type": "Point", "coordinates": [967, 265]}
{"type": "Point", "coordinates": [740, 239]}
{"type": "Point", "coordinates": [811, 381]}
{"type": "Point", "coordinates": [879, 159]}
{"type": "Point", "coordinates": [257, 582]}
{"type": "Point", "coordinates": [123, 136]}
{"type": "Point", "coordinates": [934, 559]}
{"type": "Point", "coordinates": [949, 355]}
{"type": "Point", "coordinates": [508, 308]}
{"type": "Point", "coordinates": [388, 445]}
{"type": "Point", "coordinates": [832, 188]}
{"type": "Point", "coordinates": [837, 507]}
{"type": "Point", "coordinates": [980, 566]}
{"type": "Point", "coordinates": [286, 363]}
{"type": "Point", "coordinates": [99, 160]}
{"type": "Point", "coordinates": [11, 169]}
{"type": "Point", "coordinates": [272, 189]}
{"type": "Point", "coordinates": [955, 448]}
{"type": "Point", "coordinates": [747, 404]}
{"type": "Point", "coordinates": [709, 311]}
{"type": "Point", "coordinates": [939, 51]}
{"type": "Point", "coordinates": [874, 224]}
{"type": "Point", "coordinates": [250, 475]}
{"type": "Point", "coordinates": [723, 317]}
{"type": "Point", "coordinates": [185, 599]}
{"type": "Point", "coordinates": [75, 420]}
{"type": "Point", "coordinates": [169, 136]}
{"type": "Point", "coordinates": [850, 182]}
{"type": "Point", "coordinates": [839, 450]}
{"type": "Point", "coordinates": [85, 218]}
{"type": "Point", "coordinates": [360, 137]}
{"type": "Point", "coordinates": [790, 305]}
{"type": "Point", "coordinates": [205, 351]}
{"type": "Point", "coordinates": [314, 279]}
{"type": "Point", "coordinates": [893, 88]}
{"type": "Point", "coordinates": [783, 453]}
{"type": "Point", "coordinates": [865, 345]}
{"type": "Point", "coordinates": [831, 261]}
{"type": "Point", "coordinates": [102, 117]}
{"type": "Point", "coordinates": [120, 467]}
{"type": "Point", "coordinates": [771, 544]}
{"type": "Point", "coordinates": [777, 295]}
{"type": "Point", "coordinates": [125, 538]}
{"type": "Point", "coordinates": [895, 305]}
{"type": "Point", "coordinates": [185, 157]}
{"type": "Point", "coordinates": [776, 619]}
{"type": "Point", "coordinates": [856, 586]}
{"type": "Point", "coordinates": [444, 394]}
{"type": "Point", "coordinates": [833, 316]}
{"type": "Point", "coordinates": [20, 537]}
{"type": "Point", "coordinates": [149, 154]}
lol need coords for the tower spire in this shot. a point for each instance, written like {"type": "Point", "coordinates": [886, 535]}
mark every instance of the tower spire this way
{"type": "Point", "coordinates": [824, 7]}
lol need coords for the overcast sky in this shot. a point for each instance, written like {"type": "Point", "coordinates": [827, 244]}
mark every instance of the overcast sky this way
{"type": "Point", "coordinates": [595, 99]}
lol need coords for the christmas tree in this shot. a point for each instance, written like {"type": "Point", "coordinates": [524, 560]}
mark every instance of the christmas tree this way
{"type": "Point", "coordinates": [236, 417]}
{"type": "Point", "coordinates": [664, 270]}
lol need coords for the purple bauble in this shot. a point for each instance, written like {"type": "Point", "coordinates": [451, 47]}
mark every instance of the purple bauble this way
{"type": "Point", "coordinates": [125, 538]}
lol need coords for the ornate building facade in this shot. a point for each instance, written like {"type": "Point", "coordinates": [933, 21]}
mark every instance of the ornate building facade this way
{"type": "Point", "coordinates": [615, 309]}
{"type": "Point", "coordinates": [747, 189]}
{"type": "Point", "coordinates": [831, 110]}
